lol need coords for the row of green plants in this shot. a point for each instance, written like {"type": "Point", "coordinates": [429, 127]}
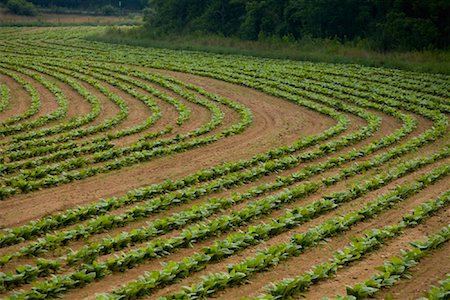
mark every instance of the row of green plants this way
{"type": "Point", "coordinates": [41, 172]}
{"type": "Point", "coordinates": [292, 84]}
{"type": "Point", "coordinates": [163, 225]}
{"type": "Point", "coordinates": [167, 54]}
{"type": "Point", "coordinates": [440, 291]}
{"type": "Point", "coordinates": [183, 111]}
{"type": "Point", "coordinates": [430, 84]}
{"type": "Point", "coordinates": [376, 89]}
{"type": "Point", "coordinates": [367, 242]}
{"type": "Point", "coordinates": [275, 75]}
{"type": "Point", "coordinates": [108, 136]}
{"type": "Point", "coordinates": [75, 151]}
{"type": "Point", "coordinates": [120, 223]}
{"type": "Point", "coordinates": [397, 267]}
{"type": "Point", "coordinates": [35, 99]}
{"type": "Point", "coordinates": [241, 272]}
{"type": "Point", "coordinates": [236, 66]}
{"type": "Point", "coordinates": [173, 59]}
{"type": "Point", "coordinates": [5, 96]}
{"type": "Point", "coordinates": [217, 117]}
{"type": "Point", "coordinates": [90, 252]}
{"type": "Point", "coordinates": [24, 183]}
{"type": "Point", "coordinates": [121, 134]}
{"type": "Point", "coordinates": [8, 167]}
{"type": "Point", "coordinates": [121, 82]}
{"type": "Point", "coordinates": [150, 103]}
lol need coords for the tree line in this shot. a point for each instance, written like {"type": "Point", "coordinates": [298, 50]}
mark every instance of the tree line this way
{"type": "Point", "coordinates": [77, 4]}
{"type": "Point", "coordinates": [30, 7]}
{"type": "Point", "coordinates": [387, 24]}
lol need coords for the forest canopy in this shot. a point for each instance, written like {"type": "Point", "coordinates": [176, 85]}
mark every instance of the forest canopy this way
{"type": "Point", "coordinates": [387, 24]}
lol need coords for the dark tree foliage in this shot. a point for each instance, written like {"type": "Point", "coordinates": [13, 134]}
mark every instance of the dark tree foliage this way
{"type": "Point", "coordinates": [389, 24]}
{"type": "Point", "coordinates": [21, 7]}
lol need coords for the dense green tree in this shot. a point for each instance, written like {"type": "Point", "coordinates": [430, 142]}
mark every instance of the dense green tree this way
{"type": "Point", "coordinates": [262, 18]}
{"type": "Point", "coordinates": [222, 17]}
{"type": "Point", "coordinates": [21, 7]}
{"type": "Point", "coordinates": [174, 15]}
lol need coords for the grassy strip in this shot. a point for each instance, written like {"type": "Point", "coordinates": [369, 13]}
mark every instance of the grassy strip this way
{"type": "Point", "coordinates": [315, 50]}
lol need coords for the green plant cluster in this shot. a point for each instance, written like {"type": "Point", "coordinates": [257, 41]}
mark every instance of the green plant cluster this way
{"type": "Point", "coordinates": [369, 241]}
{"type": "Point", "coordinates": [21, 7]}
{"type": "Point", "coordinates": [439, 292]}
{"type": "Point", "coordinates": [4, 97]}
{"type": "Point", "coordinates": [398, 266]}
